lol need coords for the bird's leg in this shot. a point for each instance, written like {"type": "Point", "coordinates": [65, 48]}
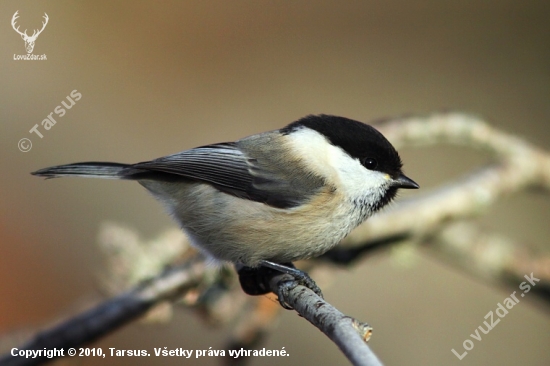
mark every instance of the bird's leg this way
{"type": "Point", "coordinates": [255, 281]}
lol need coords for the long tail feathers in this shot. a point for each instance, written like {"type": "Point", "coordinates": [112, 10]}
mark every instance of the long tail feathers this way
{"type": "Point", "coordinates": [89, 170]}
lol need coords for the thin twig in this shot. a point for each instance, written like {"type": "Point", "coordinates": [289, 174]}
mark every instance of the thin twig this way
{"type": "Point", "coordinates": [349, 334]}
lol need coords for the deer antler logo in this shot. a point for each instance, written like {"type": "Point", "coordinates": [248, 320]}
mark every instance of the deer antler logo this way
{"type": "Point", "coordinates": [29, 40]}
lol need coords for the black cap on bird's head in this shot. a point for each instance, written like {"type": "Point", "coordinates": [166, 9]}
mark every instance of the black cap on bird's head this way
{"type": "Point", "coordinates": [360, 141]}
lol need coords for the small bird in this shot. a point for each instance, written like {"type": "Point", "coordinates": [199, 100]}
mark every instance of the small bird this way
{"type": "Point", "coordinates": [272, 198]}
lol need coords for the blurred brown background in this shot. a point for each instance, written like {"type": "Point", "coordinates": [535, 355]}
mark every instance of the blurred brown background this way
{"type": "Point", "coordinates": [160, 77]}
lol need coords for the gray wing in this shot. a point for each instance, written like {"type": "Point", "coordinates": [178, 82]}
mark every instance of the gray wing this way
{"type": "Point", "coordinates": [220, 164]}
{"type": "Point", "coordinates": [239, 170]}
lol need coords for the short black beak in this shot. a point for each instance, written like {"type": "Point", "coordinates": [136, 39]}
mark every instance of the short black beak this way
{"type": "Point", "coordinates": [405, 182]}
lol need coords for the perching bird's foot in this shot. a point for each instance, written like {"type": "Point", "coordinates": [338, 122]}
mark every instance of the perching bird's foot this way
{"type": "Point", "coordinates": [255, 281]}
{"type": "Point", "coordinates": [300, 278]}
{"type": "Point", "coordinates": [283, 287]}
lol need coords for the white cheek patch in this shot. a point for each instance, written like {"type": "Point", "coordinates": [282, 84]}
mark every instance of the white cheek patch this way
{"type": "Point", "coordinates": [332, 162]}
{"type": "Point", "coordinates": [355, 179]}
{"type": "Point", "coordinates": [307, 142]}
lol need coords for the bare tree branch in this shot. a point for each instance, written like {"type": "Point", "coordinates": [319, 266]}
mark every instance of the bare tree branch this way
{"type": "Point", "coordinates": [491, 257]}
{"type": "Point", "coordinates": [111, 314]}
{"type": "Point", "coordinates": [350, 335]}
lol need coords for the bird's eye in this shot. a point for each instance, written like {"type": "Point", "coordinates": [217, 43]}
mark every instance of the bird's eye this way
{"type": "Point", "coordinates": [370, 163]}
